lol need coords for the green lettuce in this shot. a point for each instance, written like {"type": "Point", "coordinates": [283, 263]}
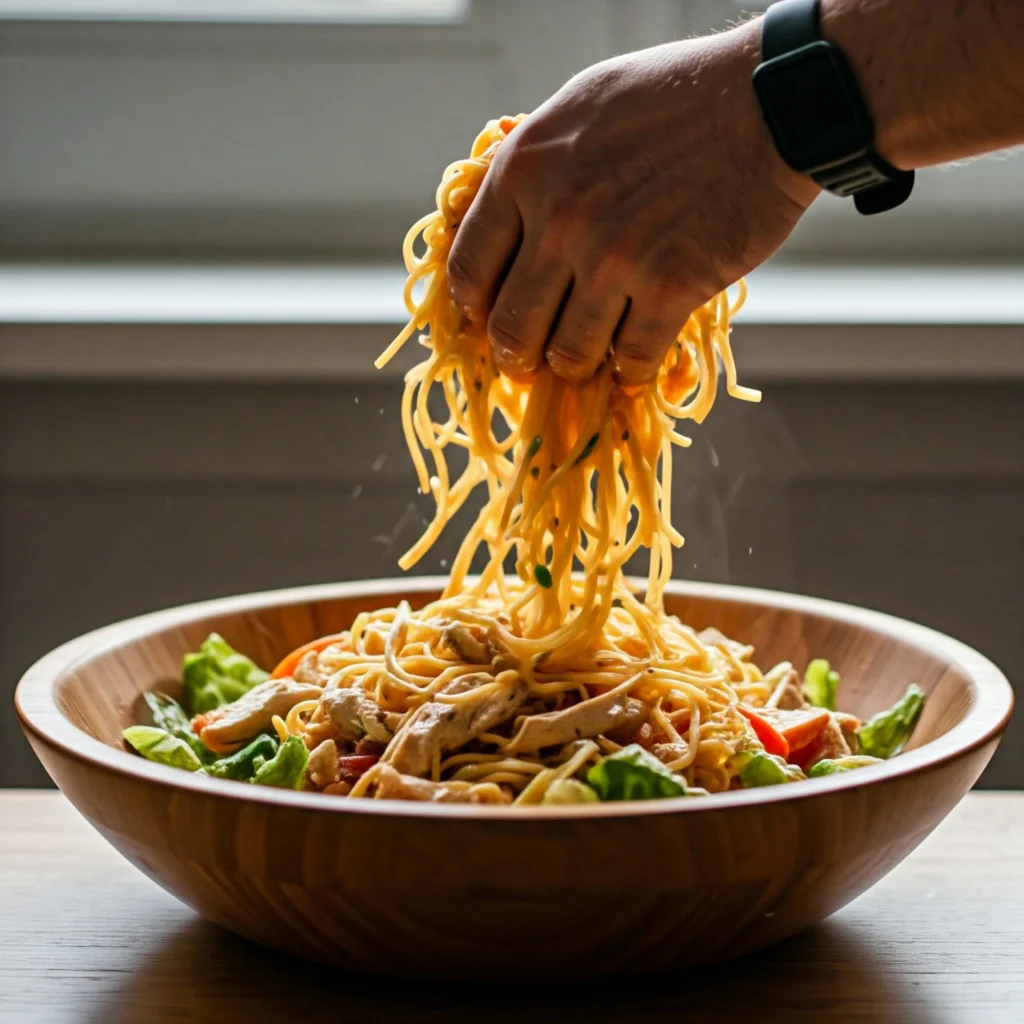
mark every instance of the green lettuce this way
{"type": "Point", "coordinates": [634, 774]}
{"type": "Point", "coordinates": [243, 765]}
{"type": "Point", "coordinates": [569, 791]}
{"type": "Point", "coordinates": [286, 769]}
{"type": "Point", "coordinates": [888, 732]}
{"type": "Point", "coordinates": [821, 684]}
{"type": "Point", "coordinates": [841, 764]}
{"type": "Point", "coordinates": [217, 674]}
{"type": "Point", "coordinates": [758, 768]}
{"type": "Point", "coordinates": [159, 745]}
{"type": "Point", "coordinates": [169, 715]}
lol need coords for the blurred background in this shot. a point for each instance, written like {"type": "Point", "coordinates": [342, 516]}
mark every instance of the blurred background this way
{"type": "Point", "coordinates": [201, 211]}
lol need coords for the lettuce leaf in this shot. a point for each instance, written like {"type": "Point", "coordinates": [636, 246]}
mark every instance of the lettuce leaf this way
{"type": "Point", "coordinates": [841, 764]}
{"type": "Point", "coordinates": [569, 791]}
{"type": "Point", "coordinates": [286, 769]}
{"type": "Point", "coordinates": [634, 774]}
{"type": "Point", "coordinates": [757, 768]}
{"type": "Point", "coordinates": [169, 715]}
{"type": "Point", "coordinates": [243, 765]}
{"type": "Point", "coordinates": [217, 674]}
{"type": "Point", "coordinates": [888, 732]}
{"type": "Point", "coordinates": [160, 746]}
{"type": "Point", "coordinates": [821, 684]}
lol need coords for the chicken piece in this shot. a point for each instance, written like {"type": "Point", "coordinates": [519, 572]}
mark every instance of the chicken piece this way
{"type": "Point", "coordinates": [588, 718]}
{"type": "Point", "coordinates": [669, 752]}
{"type": "Point", "coordinates": [438, 726]}
{"type": "Point", "coordinates": [461, 641]}
{"type": "Point", "coordinates": [829, 743]}
{"type": "Point", "coordinates": [323, 764]}
{"type": "Point", "coordinates": [715, 638]}
{"type": "Point", "coordinates": [230, 726]}
{"type": "Point", "coordinates": [308, 670]}
{"type": "Point", "coordinates": [478, 652]}
{"type": "Point", "coordinates": [848, 726]}
{"type": "Point", "coordinates": [788, 695]}
{"type": "Point", "coordinates": [392, 785]}
{"type": "Point", "coordinates": [634, 714]}
{"type": "Point", "coordinates": [354, 715]}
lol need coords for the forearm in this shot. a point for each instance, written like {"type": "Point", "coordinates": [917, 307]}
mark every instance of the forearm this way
{"type": "Point", "coordinates": [943, 79]}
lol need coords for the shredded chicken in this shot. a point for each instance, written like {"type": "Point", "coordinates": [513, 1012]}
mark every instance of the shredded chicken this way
{"type": "Point", "coordinates": [588, 718]}
{"type": "Point", "coordinates": [475, 651]}
{"type": "Point", "coordinates": [354, 715]}
{"type": "Point", "coordinates": [788, 695]}
{"type": "Point", "coordinates": [323, 764]}
{"type": "Point", "coordinates": [828, 743]}
{"type": "Point", "coordinates": [229, 727]}
{"type": "Point", "coordinates": [669, 752]}
{"type": "Point", "coordinates": [460, 640]}
{"type": "Point", "coordinates": [714, 638]}
{"type": "Point", "coordinates": [308, 670]}
{"type": "Point", "coordinates": [634, 714]}
{"type": "Point", "coordinates": [393, 785]}
{"type": "Point", "coordinates": [439, 726]}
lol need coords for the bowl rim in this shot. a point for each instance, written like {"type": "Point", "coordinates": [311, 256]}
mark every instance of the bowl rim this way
{"type": "Point", "coordinates": [35, 701]}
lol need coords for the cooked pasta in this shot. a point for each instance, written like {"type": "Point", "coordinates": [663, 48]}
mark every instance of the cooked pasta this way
{"type": "Point", "coordinates": [546, 677]}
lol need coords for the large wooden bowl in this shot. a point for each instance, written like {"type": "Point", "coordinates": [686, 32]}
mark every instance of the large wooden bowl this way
{"type": "Point", "coordinates": [563, 892]}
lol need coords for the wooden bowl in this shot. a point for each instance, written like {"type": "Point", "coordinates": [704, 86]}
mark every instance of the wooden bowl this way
{"type": "Point", "coordinates": [558, 892]}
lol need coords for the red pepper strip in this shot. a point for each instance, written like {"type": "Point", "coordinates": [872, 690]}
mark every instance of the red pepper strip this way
{"type": "Point", "coordinates": [288, 664]}
{"type": "Point", "coordinates": [352, 767]}
{"type": "Point", "coordinates": [771, 739]}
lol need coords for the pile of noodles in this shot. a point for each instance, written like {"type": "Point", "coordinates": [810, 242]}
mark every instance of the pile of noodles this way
{"type": "Point", "coordinates": [577, 480]}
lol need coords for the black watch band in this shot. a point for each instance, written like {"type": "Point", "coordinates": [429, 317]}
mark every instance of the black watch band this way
{"type": "Point", "coordinates": [814, 109]}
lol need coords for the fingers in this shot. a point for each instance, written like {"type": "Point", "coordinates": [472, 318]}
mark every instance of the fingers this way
{"type": "Point", "coordinates": [483, 247]}
{"type": "Point", "coordinates": [643, 339]}
{"type": "Point", "coordinates": [526, 309]}
{"type": "Point", "coordinates": [585, 330]}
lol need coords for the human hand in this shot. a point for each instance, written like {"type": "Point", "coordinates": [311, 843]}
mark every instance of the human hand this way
{"type": "Point", "coordinates": [640, 190]}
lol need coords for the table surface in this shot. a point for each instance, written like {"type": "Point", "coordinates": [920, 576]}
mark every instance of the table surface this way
{"type": "Point", "coordinates": [86, 937]}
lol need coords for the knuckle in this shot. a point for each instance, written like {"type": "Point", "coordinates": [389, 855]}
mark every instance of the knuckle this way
{"type": "Point", "coordinates": [464, 277]}
{"type": "Point", "coordinates": [506, 328]}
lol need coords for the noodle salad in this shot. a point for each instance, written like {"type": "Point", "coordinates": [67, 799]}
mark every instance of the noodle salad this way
{"type": "Point", "coordinates": [545, 678]}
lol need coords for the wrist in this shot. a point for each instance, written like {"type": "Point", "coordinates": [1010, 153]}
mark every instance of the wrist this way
{"type": "Point", "coordinates": [744, 43]}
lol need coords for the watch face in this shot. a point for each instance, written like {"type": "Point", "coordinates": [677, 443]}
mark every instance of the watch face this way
{"type": "Point", "coordinates": [812, 107]}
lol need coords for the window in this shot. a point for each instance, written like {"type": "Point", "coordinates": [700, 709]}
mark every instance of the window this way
{"type": "Point", "coordinates": [319, 128]}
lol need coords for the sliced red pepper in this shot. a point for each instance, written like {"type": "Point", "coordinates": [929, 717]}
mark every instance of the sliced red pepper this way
{"type": "Point", "coordinates": [352, 767]}
{"type": "Point", "coordinates": [771, 739]}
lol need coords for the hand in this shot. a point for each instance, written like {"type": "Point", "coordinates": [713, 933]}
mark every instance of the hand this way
{"type": "Point", "coordinates": [640, 190]}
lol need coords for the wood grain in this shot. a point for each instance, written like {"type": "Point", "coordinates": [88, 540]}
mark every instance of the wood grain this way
{"type": "Point", "coordinates": [406, 889]}
{"type": "Point", "coordinates": [86, 938]}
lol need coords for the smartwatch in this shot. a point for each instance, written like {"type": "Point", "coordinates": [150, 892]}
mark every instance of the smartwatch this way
{"type": "Point", "coordinates": [815, 111]}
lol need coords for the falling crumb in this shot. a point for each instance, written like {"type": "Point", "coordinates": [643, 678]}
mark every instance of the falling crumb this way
{"type": "Point", "coordinates": [444, 563]}
{"type": "Point", "coordinates": [378, 463]}
{"type": "Point", "coordinates": [714, 455]}
{"type": "Point", "coordinates": [380, 412]}
{"type": "Point", "coordinates": [357, 490]}
{"type": "Point", "coordinates": [750, 551]}
{"type": "Point", "coordinates": [356, 399]}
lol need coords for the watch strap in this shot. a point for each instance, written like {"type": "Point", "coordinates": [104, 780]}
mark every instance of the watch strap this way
{"type": "Point", "coordinates": [875, 184]}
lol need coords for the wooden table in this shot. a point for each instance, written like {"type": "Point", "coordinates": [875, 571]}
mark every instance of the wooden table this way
{"type": "Point", "coordinates": [85, 937]}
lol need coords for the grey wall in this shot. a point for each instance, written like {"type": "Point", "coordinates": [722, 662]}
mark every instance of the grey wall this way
{"type": "Point", "coordinates": [120, 498]}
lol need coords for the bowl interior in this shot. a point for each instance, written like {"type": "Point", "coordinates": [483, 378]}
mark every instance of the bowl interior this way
{"type": "Point", "coordinates": [100, 692]}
